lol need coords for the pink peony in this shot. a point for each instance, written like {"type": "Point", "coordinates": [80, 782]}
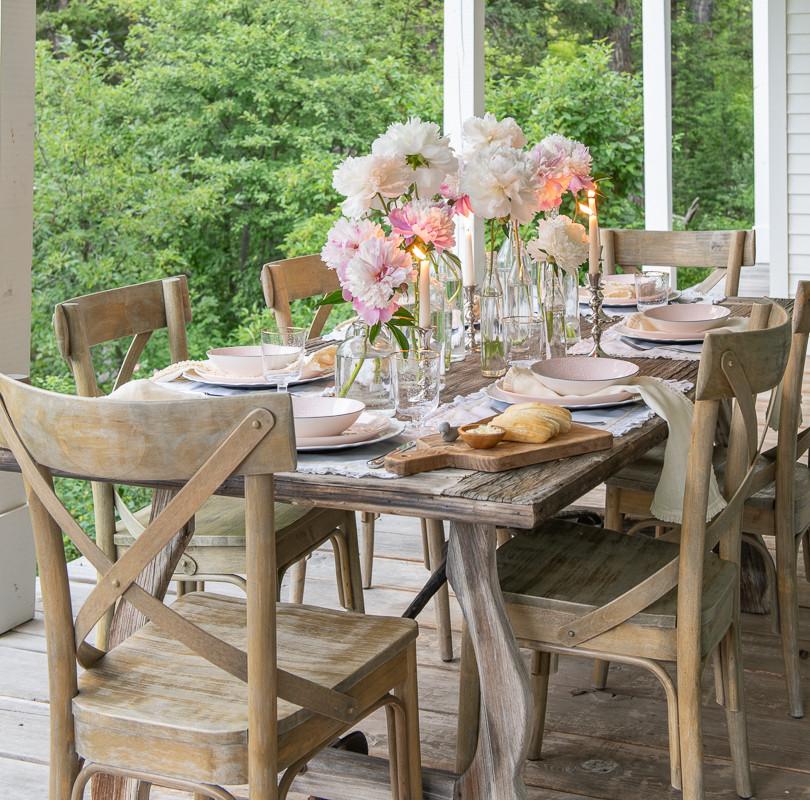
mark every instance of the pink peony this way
{"type": "Point", "coordinates": [458, 204]}
{"type": "Point", "coordinates": [375, 276]}
{"type": "Point", "coordinates": [343, 240]}
{"type": "Point", "coordinates": [574, 170]}
{"type": "Point", "coordinates": [425, 219]}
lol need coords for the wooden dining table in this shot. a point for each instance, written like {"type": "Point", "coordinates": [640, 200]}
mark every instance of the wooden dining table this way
{"type": "Point", "coordinates": [474, 503]}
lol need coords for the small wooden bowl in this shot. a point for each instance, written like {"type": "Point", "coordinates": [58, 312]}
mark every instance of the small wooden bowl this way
{"type": "Point", "coordinates": [480, 441]}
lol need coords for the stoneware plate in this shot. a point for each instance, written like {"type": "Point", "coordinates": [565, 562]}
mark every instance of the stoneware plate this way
{"type": "Point", "coordinates": [496, 392]}
{"type": "Point", "coordinates": [394, 428]}
{"type": "Point", "coordinates": [244, 383]}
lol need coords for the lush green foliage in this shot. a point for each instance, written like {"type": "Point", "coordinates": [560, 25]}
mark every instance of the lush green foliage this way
{"type": "Point", "coordinates": [199, 136]}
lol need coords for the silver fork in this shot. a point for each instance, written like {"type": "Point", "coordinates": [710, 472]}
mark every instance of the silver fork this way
{"type": "Point", "coordinates": [656, 346]}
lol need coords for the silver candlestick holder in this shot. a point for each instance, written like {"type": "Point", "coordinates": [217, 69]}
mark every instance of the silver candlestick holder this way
{"type": "Point", "coordinates": [423, 336]}
{"type": "Point", "coordinates": [597, 318]}
{"type": "Point", "coordinates": [473, 344]}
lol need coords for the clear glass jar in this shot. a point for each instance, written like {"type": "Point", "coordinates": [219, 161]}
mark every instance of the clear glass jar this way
{"type": "Point", "coordinates": [520, 297]}
{"type": "Point", "coordinates": [554, 309]}
{"type": "Point", "coordinates": [571, 295]}
{"type": "Point", "coordinates": [363, 371]}
{"type": "Point", "coordinates": [493, 363]}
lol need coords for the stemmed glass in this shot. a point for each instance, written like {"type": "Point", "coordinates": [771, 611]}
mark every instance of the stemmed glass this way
{"type": "Point", "coordinates": [415, 375]}
{"type": "Point", "coordinates": [283, 355]}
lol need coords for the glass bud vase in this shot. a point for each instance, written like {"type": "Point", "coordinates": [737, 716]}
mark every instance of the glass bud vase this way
{"type": "Point", "coordinates": [520, 297]}
{"type": "Point", "coordinates": [571, 295]}
{"type": "Point", "coordinates": [362, 369]}
{"type": "Point", "coordinates": [454, 295]}
{"type": "Point", "coordinates": [441, 323]}
{"type": "Point", "coordinates": [493, 363]}
{"type": "Point", "coordinates": [554, 310]}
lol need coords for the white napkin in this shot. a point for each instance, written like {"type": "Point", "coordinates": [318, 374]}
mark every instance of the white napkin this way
{"type": "Point", "coordinates": [315, 365]}
{"type": "Point", "coordinates": [148, 390]}
{"type": "Point", "coordinates": [677, 410]}
{"type": "Point", "coordinates": [462, 410]}
{"type": "Point", "coordinates": [523, 381]}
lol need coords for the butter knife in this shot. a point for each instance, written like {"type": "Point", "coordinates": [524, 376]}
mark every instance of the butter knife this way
{"type": "Point", "coordinates": [378, 463]}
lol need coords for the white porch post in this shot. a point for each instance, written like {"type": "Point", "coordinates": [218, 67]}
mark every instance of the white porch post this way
{"type": "Point", "coordinates": [17, 31]}
{"type": "Point", "coordinates": [770, 142]}
{"type": "Point", "coordinates": [657, 72]}
{"type": "Point", "coordinates": [464, 91]}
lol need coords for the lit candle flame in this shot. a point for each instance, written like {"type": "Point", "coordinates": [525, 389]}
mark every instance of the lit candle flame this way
{"type": "Point", "coordinates": [418, 253]}
{"type": "Point", "coordinates": [591, 193]}
{"type": "Point", "coordinates": [584, 209]}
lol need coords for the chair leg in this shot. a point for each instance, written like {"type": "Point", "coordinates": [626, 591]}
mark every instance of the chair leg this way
{"type": "Point", "coordinates": [690, 724]}
{"type": "Point", "coordinates": [143, 790]}
{"type": "Point", "coordinates": [719, 685]}
{"type": "Point", "coordinates": [731, 657]}
{"type": "Point", "coordinates": [469, 705]}
{"type": "Point", "coordinates": [298, 577]}
{"type": "Point", "coordinates": [441, 601]}
{"type": "Point", "coordinates": [393, 751]}
{"type": "Point", "coordinates": [806, 551]}
{"type": "Point", "coordinates": [600, 673]}
{"type": "Point", "coordinates": [367, 528]}
{"type": "Point", "coordinates": [788, 591]}
{"type": "Point", "coordinates": [541, 671]}
{"type": "Point", "coordinates": [409, 750]}
{"type": "Point", "coordinates": [614, 519]}
{"type": "Point", "coordinates": [351, 572]}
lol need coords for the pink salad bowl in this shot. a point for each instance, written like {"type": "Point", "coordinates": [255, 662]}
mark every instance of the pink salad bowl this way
{"type": "Point", "coordinates": [579, 375]}
{"type": "Point", "coordinates": [687, 319]}
{"type": "Point", "coordinates": [316, 417]}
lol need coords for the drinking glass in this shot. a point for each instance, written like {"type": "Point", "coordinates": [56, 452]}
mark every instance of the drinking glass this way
{"type": "Point", "coordinates": [523, 339]}
{"type": "Point", "coordinates": [283, 355]}
{"type": "Point", "coordinates": [652, 289]}
{"type": "Point", "coordinates": [415, 375]}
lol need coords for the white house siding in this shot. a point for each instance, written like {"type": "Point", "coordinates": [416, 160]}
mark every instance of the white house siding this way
{"type": "Point", "coordinates": [798, 139]}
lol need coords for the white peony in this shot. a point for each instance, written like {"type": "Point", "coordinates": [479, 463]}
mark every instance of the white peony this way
{"type": "Point", "coordinates": [478, 132]}
{"type": "Point", "coordinates": [560, 240]}
{"type": "Point", "coordinates": [360, 180]}
{"type": "Point", "coordinates": [501, 181]}
{"type": "Point", "coordinates": [427, 153]}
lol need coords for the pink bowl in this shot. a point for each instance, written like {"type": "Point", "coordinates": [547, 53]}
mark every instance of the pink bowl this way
{"type": "Point", "coordinates": [314, 417]}
{"type": "Point", "coordinates": [579, 375]}
{"type": "Point", "coordinates": [687, 319]}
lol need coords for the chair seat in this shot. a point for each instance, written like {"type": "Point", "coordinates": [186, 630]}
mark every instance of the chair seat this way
{"type": "Point", "coordinates": [643, 475]}
{"type": "Point", "coordinates": [219, 526]}
{"type": "Point", "coordinates": [564, 570]}
{"type": "Point", "coordinates": [167, 710]}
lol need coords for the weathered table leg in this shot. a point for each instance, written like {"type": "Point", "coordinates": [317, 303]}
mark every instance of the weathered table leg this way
{"type": "Point", "coordinates": [506, 698]}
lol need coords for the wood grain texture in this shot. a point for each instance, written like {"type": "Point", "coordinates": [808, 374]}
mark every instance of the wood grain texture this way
{"type": "Point", "coordinates": [505, 723]}
{"type": "Point", "coordinates": [432, 452]}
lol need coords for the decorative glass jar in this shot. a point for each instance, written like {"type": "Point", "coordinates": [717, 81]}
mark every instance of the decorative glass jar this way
{"type": "Point", "coordinates": [362, 369]}
{"type": "Point", "coordinates": [493, 363]}
{"type": "Point", "coordinates": [552, 295]}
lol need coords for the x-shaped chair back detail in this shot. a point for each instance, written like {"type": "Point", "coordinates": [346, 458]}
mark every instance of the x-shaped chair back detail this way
{"type": "Point", "coordinates": [180, 440]}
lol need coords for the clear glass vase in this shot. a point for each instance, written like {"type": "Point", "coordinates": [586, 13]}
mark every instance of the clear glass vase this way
{"type": "Point", "coordinates": [363, 370]}
{"type": "Point", "coordinates": [552, 293]}
{"type": "Point", "coordinates": [571, 295]}
{"type": "Point", "coordinates": [451, 281]}
{"type": "Point", "coordinates": [493, 363]}
{"type": "Point", "coordinates": [520, 296]}
{"type": "Point", "coordinates": [441, 323]}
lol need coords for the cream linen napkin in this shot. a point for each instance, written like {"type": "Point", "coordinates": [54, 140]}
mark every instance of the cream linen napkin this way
{"type": "Point", "coordinates": [677, 410]}
{"type": "Point", "coordinates": [315, 365]}
{"type": "Point", "coordinates": [147, 390]}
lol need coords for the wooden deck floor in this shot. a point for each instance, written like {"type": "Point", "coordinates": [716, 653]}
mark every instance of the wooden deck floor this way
{"type": "Point", "coordinates": [610, 745]}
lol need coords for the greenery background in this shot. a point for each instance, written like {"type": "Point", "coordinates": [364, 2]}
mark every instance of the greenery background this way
{"type": "Point", "coordinates": [199, 136]}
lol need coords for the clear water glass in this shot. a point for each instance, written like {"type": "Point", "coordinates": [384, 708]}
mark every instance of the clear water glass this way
{"type": "Point", "coordinates": [283, 355]}
{"type": "Point", "coordinates": [416, 375]}
{"type": "Point", "coordinates": [652, 289]}
{"type": "Point", "coordinates": [523, 339]}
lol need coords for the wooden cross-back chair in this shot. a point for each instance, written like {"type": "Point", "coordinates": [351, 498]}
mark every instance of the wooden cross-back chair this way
{"type": "Point", "coordinates": [780, 509]}
{"type": "Point", "coordinates": [725, 252]}
{"type": "Point", "coordinates": [582, 590]}
{"type": "Point", "coordinates": [308, 276]}
{"type": "Point", "coordinates": [213, 691]}
{"type": "Point", "coordinates": [217, 549]}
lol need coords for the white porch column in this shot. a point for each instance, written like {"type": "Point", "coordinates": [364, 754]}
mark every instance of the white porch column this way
{"type": "Point", "coordinates": [464, 91]}
{"type": "Point", "coordinates": [17, 31]}
{"type": "Point", "coordinates": [770, 142]}
{"type": "Point", "coordinates": [657, 72]}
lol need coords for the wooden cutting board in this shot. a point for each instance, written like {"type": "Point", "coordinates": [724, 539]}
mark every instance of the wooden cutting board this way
{"type": "Point", "coordinates": [433, 453]}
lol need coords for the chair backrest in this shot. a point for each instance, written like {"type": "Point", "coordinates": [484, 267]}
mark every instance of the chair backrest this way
{"type": "Point", "coordinates": [201, 441]}
{"type": "Point", "coordinates": [723, 251]}
{"type": "Point", "coordinates": [296, 279]}
{"type": "Point", "coordinates": [103, 317]}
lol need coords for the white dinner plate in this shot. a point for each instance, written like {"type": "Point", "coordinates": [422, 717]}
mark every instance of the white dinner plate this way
{"type": "Point", "coordinates": [394, 428]}
{"type": "Point", "coordinates": [366, 427]}
{"type": "Point", "coordinates": [495, 391]}
{"type": "Point", "coordinates": [734, 324]}
{"type": "Point", "coordinates": [620, 302]}
{"type": "Point", "coordinates": [244, 383]}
